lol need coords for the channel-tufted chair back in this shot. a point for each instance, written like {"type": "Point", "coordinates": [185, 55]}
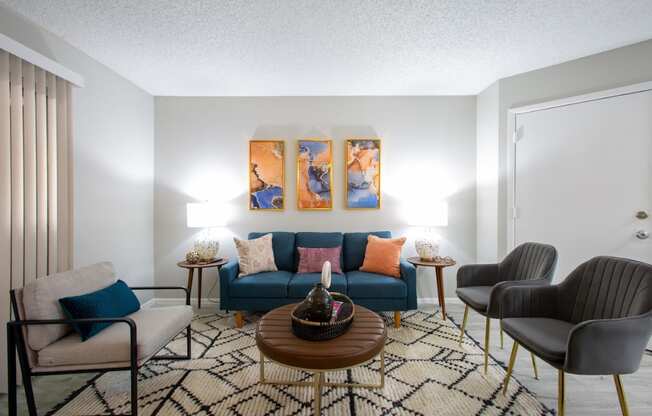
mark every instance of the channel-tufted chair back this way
{"type": "Point", "coordinates": [529, 261]}
{"type": "Point", "coordinates": [606, 288]}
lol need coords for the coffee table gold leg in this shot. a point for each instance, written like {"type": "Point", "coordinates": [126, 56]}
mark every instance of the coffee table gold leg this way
{"type": "Point", "coordinates": [382, 368]}
{"type": "Point", "coordinates": [262, 368]}
{"type": "Point", "coordinates": [318, 383]}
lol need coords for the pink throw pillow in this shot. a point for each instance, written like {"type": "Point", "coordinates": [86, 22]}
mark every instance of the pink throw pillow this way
{"type": "Point", "coordinates": [311, 260]}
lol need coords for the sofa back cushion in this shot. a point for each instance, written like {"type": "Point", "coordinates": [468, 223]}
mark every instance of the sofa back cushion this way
{"type": "Point", "coordinates": [283, 247]}
{"type": "Point", "coordinates": [354, 248]}
{"type": "Point", "coordinates": [41, 299]}
{"type": "Point", "coordinates": [316, 240]}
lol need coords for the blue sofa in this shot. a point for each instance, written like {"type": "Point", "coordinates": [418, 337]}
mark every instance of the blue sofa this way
{"type": "Point", "coordinates": [268, 290]}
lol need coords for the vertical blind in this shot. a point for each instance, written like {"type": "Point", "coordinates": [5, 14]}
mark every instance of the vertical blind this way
{"type": "Point", "coordinates": [35, 176]}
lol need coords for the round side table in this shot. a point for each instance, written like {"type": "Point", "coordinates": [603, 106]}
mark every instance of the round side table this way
{"type": "Point", "coordinates": [199, 267]}
{"type": "Point", "coordinates": [439, 266]}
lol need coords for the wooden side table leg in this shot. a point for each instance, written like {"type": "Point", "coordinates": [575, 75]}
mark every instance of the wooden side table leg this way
{"type": "Point", "coordinates": [199, 289]}
{"type": "Point", "coordinates": [439, 272]}
{"type": "Point", "coordinates": [191, 272]}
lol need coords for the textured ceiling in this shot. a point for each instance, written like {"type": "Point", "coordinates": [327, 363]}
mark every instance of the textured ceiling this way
{"type": "Point", "coordinates": [336, 47]}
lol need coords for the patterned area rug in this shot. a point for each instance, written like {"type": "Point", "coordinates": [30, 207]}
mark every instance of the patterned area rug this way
{"type": "Point", "coordinates": [427, 373]}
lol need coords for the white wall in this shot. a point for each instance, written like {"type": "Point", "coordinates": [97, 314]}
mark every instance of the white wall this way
{"type": "Point", "coordinates": [428, 148]}
{"type": "Point", "coordinates": [611, 69]}
{"type": "Point", "coordinates": [487, 173]}
{"type": "Point", "coordinates": [113, 157]}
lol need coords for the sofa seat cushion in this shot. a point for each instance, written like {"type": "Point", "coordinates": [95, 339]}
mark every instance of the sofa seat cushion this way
{"type": "Point", "coordinates": [261, 285]}
{"type": "Point", "coordinates": [545, 337]}
{"type": "Point", "coordinates": [372, 285]}
{"type": "Point", "coordinates": [476, 297]}
{"type": "Point", "coordinates": [302, 283]}
{"type": "Point", "coordinates": [155, 328]}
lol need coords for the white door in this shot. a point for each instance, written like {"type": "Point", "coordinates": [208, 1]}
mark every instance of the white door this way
{"type": "Point", "coordinates": [582, 172]}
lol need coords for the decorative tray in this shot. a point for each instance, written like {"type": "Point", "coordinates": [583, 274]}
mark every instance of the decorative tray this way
{"type": "Point", "coordinates": [322, 331]}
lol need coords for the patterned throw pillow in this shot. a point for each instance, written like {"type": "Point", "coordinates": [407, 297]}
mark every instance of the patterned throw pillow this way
{"type": "Point", "coordinates": [311, 260]}
{"type": "Point", "coordinates": [383, 256]}
{"type": "Point", "coordinates": [255, 256]}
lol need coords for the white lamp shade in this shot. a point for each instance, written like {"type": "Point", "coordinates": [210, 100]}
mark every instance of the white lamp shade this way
{"type": "Point", "coordinates": [204, 215]}
{"type": "Point", "coordinates": [429, 215]}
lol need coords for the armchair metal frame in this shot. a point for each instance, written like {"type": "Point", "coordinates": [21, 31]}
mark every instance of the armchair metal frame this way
{"type": "Point", "coordinates": [16, 343]}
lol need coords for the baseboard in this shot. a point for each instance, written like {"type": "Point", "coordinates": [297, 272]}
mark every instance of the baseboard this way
{"type": "Point", "coordinates": [214, 304]}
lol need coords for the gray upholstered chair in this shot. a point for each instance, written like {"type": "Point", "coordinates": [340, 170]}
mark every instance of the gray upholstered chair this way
{"type": "Point", "coordinates": [597, 322]}
{"type": "Point", "coordinates": [480, 286]}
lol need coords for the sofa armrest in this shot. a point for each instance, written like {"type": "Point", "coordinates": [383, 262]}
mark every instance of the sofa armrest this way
{"type": "Point", "coordinates": [608, 346]}
{"type": "Point", "coordinates": [409, 275]}
{"type": "Point", "coordinates": [186, 291]}
{"type": "Point", "coordinates": [529, 302]}
{"type": "Point", "coordinates": [477, 275]}
{"type": "Point", "coordinates": [228, 273]}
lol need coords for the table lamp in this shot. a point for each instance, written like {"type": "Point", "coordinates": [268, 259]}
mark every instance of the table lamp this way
{"type": "Point", "coordinates": [206, 215]}
{"type": "Point", "coordinates": [427, 246]}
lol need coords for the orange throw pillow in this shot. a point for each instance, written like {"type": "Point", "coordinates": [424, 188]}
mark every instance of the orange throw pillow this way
{"type": "Point", "coordinates": [383, 256]}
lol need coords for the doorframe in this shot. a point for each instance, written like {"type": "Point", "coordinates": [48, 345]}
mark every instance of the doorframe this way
{"type": "Point", "coordinates": [512, 114]}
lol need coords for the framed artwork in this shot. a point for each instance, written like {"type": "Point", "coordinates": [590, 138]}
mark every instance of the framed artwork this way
{"type": "Point", "coordinates": [314, 174]}
{"type": "Point", "coordinates": [266, 174]}
{"type": "Point", "coordinates": [362, 174]}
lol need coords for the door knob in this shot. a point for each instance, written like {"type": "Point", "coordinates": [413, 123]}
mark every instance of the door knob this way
{"type": "Point", "coordinates": [642, 235]}
{"type": "Point", "coordinates": [642, 215]}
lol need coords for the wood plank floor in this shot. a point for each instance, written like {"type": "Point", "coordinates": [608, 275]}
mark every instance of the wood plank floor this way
{"type": "Point", "coordinates": [585, 395]}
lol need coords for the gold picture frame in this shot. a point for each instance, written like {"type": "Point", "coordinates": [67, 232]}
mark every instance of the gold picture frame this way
{"type": "Point", "coordinates": [266, 175]}
{"type": "Point", "coordinates": [362, 174]}
{"type": "Point", "coordinates": [308, 199]}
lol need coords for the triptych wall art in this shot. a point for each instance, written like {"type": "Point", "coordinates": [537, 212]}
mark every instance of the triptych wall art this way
{"type": "Point", "coordinates": [314, 182]}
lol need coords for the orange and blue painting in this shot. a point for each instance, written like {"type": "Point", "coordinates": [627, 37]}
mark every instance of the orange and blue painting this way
{"type": "Point", "coordinates": [266, 174]}
{"type": "Point", "coordinates": [314, 174]}
{"type": "Point", "coordinates": [363, 173]}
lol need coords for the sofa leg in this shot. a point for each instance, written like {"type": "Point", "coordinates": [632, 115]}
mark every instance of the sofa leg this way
{"type": "Point", "coordinates": [397, 319]}
{"type": "Point", "coordinates": [239, 320]}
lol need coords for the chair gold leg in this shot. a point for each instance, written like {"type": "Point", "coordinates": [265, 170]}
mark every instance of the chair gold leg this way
{"type": "Point", "coordinates": [466, 317]}
{"type": "Point", "coordinates": [561, 393]}
{"type": "Point", "coordinates": [502, 337]}
{"type": "Point", "coordinates": [487, 331]}
{"type": "Point", "coordinates": [510, 368]}
{"type": "Point", "coordinates": [621, 395]}
{"type": "Point", "coordinates": [534, 366]}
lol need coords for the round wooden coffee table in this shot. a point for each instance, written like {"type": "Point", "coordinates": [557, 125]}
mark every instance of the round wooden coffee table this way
{"type": "Point", "coordinates": [364, 340]}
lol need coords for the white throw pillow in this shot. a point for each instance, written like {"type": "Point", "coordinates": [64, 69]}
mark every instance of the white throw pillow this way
{"type": "Point", "coordinates": [255, 256]}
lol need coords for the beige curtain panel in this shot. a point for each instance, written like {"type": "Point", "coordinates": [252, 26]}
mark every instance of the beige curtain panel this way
{"type": "Point", "coordinates": [35, 177]}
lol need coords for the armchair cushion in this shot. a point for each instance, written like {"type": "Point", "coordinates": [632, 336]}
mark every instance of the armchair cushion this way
{"type": "Point", "coordinates": [372, 285]}
{"type": "Point", "coordinates": [476, 297]}
{"type": "Point", "coordinates": [114, 301]}
{"type": "Point", "coordinates": [41, 299]}
{"type": "Point", "coordinates": [261, 285]}
{"type": "Point", "coordinates": [547, 338]}
{"type": "Point", "coordinates": [302, 283]}
{"type": "Point", "coordinates": [155, 327]}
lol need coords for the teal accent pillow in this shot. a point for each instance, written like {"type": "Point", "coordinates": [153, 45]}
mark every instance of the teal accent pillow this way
{"type": "Point", "coordinates": [113, 301]}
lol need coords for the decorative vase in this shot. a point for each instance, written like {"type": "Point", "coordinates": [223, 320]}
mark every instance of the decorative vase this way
{"type": "Point", "coordinates": [427, 248]}
{"type": "Point", "coordinates": [207, 249]}
{"type": "Point", "coordinates": [319, 304]}
{"type": "Point", "coordinates": [326, 274]}
{"type": "Point", "coordinates": [192, 257]}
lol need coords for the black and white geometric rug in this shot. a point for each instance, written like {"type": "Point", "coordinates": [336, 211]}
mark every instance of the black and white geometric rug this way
{"type": "Point", "coordinates": [427, 373]}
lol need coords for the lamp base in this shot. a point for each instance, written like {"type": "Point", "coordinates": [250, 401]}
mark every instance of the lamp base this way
{"type": "Point", "coordinates": [427, 249]}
